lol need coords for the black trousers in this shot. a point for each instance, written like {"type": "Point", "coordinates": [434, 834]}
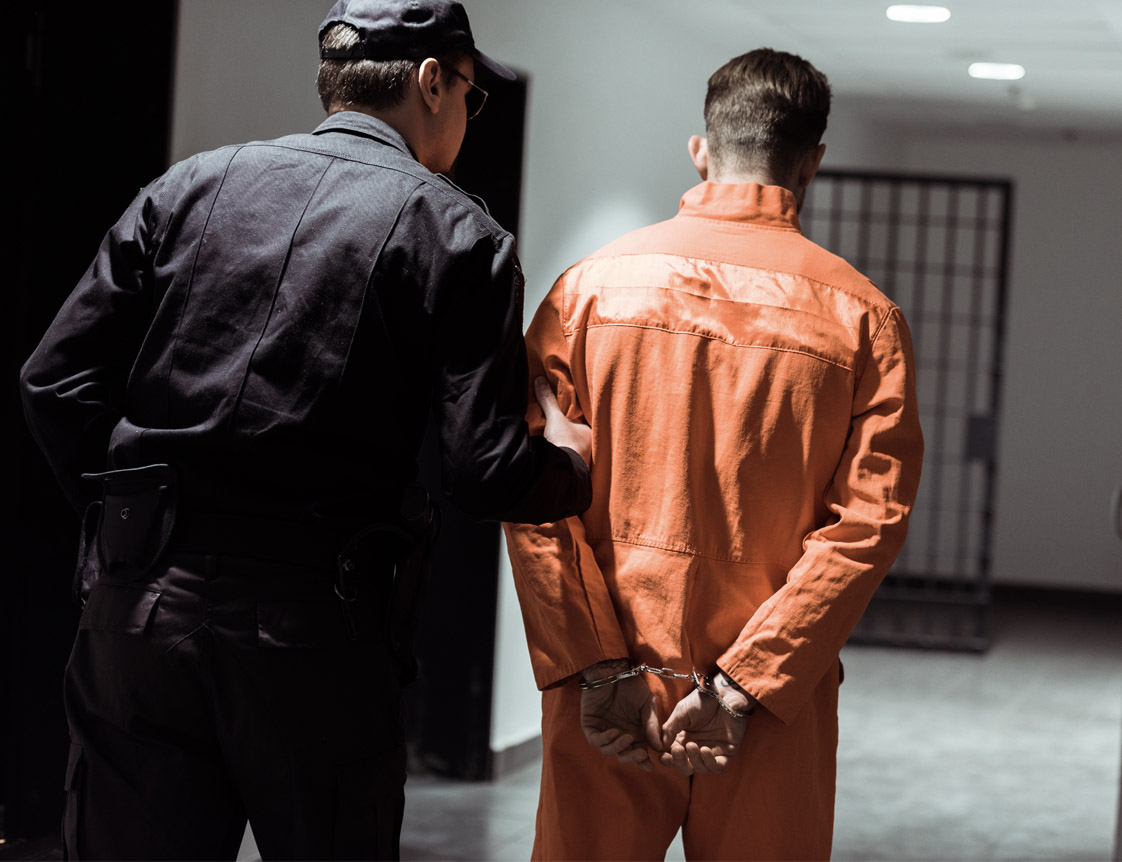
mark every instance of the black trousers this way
{"type": "Point", "coordinates": [225, 689]}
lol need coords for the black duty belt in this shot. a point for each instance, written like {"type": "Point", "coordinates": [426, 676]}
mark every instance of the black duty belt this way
{"type": "Point", "coordinates": [297, 542]}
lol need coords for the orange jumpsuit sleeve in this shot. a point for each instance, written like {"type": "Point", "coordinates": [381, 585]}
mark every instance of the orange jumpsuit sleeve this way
{"type": "Point", "coordinates": [568, 612]}
{"type": "Point", "coordinates": [795, 636]}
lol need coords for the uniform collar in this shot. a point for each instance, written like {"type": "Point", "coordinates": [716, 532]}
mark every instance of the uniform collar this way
{"type": "Point", "coordinates": [767, 206]}
{"type": "Point", "coordinates": [357, 123]}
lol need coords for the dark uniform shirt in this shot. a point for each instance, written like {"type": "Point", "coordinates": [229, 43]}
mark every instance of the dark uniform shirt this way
{"type": "Point", "coordinates": [276, 318]}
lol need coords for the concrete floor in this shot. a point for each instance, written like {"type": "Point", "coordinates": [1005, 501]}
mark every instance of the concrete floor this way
{"type": "Point", "coordinates": [1013, 754]}
{"type": "Point", "coordinates": [1010, 755]}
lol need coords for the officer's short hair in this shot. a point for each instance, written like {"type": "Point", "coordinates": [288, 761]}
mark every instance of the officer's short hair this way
{"type": "Point", "coordinates": [360, 83]}
{"type": "Point", "coordinates": [764, 110]}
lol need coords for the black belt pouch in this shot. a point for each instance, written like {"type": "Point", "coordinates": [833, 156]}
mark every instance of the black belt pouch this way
{"type": "Point", "coordinates": [136, 520]}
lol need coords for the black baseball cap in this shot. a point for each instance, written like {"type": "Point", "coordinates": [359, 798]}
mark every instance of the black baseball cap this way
{"type": "Point", "coordinates": [406, 30]}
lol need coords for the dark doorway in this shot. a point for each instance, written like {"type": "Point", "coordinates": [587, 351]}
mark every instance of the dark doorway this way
{"type": "Point", "coordinates": [90, 85]}
{"type": "Point", "coordinates": [450, 705]}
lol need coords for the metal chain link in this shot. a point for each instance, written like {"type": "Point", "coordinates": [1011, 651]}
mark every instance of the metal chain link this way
{"type": "Point", "coordinates": [700, 681]}
{"type": "Point", "coordinates": [665, 672]}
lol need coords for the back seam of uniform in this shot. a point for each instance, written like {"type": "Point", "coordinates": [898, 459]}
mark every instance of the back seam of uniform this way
{"type": "Point", "coordinates": [273, 303]}
{"type": "Point", "coordinates": [683, 550]}
{"type": "Point", "coordinates": [190, 285]}
{"type": "Point", "coordinates": [735, 225]}
{"type": "Point", "coordinates": [809, 355]}
{"type": "Point", "coordinates": [696, 295]}
{"type": "Point", "coordinates": [370, 286]}
{"type": "Point", "coordinates": [885, 305]}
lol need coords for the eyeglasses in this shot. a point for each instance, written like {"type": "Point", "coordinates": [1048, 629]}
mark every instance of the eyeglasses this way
{"type": "Point", "coordinates": [476, 97]}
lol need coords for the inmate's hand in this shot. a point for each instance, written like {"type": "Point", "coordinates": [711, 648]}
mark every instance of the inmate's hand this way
{"type": "Point", "coordinates": [700, 736]}
{"type": "Point", "coordinates": [559, 429]}
{"type": "Point", "coordinates": [620, 720]}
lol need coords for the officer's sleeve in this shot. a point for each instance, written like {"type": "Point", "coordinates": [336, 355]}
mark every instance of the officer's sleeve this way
{"type": "Point", "coordinates": [567, 610]}
{"type": "Point", "coordinates": [491, 467]}
{"type": "Point", "coordinates": [73, 384]}
{"type": "Point", "coordinates": [795, 636]}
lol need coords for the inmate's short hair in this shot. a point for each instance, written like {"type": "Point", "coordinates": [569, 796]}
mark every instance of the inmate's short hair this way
{"type": "Point", "coordinates": [764, 110]}
{"type": "Point", "coordinates": [360, 83]}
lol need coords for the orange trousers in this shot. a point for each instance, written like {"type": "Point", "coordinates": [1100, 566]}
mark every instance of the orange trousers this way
{"type": "Point", "coordinates": [774, 801]}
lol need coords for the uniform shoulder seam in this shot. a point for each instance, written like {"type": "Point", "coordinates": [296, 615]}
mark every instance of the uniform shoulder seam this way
{"type": "Point", "coordinates": [448, 190]}
{"type": "Point", "coordinates": [884, 304]}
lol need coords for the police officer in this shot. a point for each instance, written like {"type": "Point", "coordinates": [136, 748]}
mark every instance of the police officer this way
{"type": "Point", "coordinates": [234, 396]}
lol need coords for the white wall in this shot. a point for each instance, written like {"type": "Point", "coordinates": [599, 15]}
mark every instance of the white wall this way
{"type": "Point", "coordinates": [611, 107]}
{"type": "Point", "coordinates": [245, 70]}
{"type": "Point", "coordinates": [1060, 439]}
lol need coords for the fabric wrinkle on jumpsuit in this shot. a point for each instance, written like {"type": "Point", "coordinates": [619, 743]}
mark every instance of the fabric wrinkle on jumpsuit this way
{"type": "Point", "coordinates": [756, 453]}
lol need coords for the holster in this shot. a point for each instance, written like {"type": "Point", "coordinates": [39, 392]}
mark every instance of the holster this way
{"type": "Point", "coordinates": [403, 550]}
{"type": "Point", "coordinates": [130, 526]}
{"type": "Point", "coordinates": [88, 568]}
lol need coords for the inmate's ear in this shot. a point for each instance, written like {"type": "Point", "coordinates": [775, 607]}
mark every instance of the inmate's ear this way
{"type": "Point", "coordinates": [809, 165]}
{"type": "Point", "coordinates": [699, 154]}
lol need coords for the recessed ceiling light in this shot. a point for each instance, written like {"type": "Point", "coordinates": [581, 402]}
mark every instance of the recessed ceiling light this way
{"type": "Point", "coordinates": [997, 71]}
{"type": "Point", "coordinates": [918, 14]}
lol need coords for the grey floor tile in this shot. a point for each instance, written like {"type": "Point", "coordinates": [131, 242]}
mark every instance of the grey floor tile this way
{"type": "Point", "coordinates": [461, 820]}
{"type": "Point", "coordinates": [1014, 755]}
{"type": "Point", "coordinates": [1010, 755]}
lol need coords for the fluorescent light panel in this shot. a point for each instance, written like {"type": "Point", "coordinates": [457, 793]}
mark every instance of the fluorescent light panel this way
{"type": "Point", "coordinates": [918, 14]}
{"type": "Point", "coordinates": [997, 71]}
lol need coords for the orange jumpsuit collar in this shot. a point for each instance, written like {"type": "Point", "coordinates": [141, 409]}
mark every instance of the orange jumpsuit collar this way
{"type": "Point", "coordinates": [766, 206]}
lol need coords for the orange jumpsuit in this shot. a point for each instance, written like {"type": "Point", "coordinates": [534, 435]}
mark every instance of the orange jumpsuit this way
{"type": "Point", "coordinates": [756, 453]}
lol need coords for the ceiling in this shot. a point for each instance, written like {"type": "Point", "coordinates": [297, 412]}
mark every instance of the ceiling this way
{"type": "Point", "coordinates": [1071, 50]}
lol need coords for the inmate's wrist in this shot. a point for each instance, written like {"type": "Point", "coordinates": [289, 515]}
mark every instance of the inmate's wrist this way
{"type": "Point", "coordinates": [732, 695]}
{"type": "Point", "coordinates": [606, 668]}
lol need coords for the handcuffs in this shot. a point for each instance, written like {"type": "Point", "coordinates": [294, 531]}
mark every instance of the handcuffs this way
{"type": "Point", "coordinates": [701, 682]}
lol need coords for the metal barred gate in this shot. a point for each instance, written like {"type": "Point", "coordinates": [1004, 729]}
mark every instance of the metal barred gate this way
{"type": "Point", "coordinates": [939, 248]}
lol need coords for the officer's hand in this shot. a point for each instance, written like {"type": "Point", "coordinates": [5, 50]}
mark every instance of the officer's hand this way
{"type": "Point", "coordinates": [620, 720]}
{"type": "Point", "coordinates": [700, 736]}
{"type": "Point", "coordinates": [559, 429]}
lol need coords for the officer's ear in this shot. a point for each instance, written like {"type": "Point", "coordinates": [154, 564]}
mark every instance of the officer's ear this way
{"type": "Point", "coordinates": [430, 80]}
{"type": "Point", "coordinates": [699, 154]}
